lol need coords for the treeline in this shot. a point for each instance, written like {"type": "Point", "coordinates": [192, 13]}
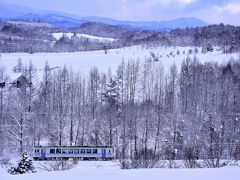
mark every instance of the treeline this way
{"type": "Point", "coordinates": [145, 111]}
{"type": "Point", "coordinates": [32, 37]}
{"type": "Point", "coordinates": [225, 36]}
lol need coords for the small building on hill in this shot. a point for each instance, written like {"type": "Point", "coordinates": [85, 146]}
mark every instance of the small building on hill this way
{"type": "Point", "coordinates": [21, 81]}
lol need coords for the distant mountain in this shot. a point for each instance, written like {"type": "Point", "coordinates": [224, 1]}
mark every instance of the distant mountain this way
{"type": "Point", "coordinates": [54, 19]}
{"type": "Point", "coordinates": [64, 20]}
{"type": "Point", "coordinates": [165, 25]}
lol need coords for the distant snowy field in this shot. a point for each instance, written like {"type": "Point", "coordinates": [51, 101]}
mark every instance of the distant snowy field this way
{"type": "Point", "coordinates": [110, 171]}
{"type": "Point", "coordinates": [83, 61]}
{"type": "Point", "coordinates": [58, 35]}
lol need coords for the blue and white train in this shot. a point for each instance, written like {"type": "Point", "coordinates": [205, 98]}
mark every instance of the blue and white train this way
{"type": "Point", "coordinates": [75, 152]}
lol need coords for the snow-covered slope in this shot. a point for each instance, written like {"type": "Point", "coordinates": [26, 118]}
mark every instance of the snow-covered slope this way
{"type": "Point", "coordinates": [58, 35]}
{"type": "Point", "coordinates": [83, 61]}
{"type": "Point", "coordinates": [109, 171]}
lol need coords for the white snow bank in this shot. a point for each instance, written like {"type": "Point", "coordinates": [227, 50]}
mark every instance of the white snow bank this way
{"type": "Point", "coordinates": [102, 39]}
{"type": "Point", "coordinates": [58, 35]}
{"type": "Point", "coordinates": [2, 172]}
{"type": "Point", "coordinates": [109, 171]}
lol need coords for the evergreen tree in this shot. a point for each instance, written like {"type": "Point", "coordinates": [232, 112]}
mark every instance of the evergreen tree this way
{"type": "Point", "coordinates": [25, 165]}
{"type": "Point", "coordinates": [111, 97]}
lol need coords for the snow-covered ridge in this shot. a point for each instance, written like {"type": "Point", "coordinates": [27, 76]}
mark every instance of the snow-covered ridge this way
{"type": "Point", "coordinates": [33, 24]}
{"type": "Point", "coordinates": [58, 35]}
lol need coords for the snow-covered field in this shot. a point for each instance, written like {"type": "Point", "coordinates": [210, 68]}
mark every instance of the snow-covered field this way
{"type": "Point", "coordinates": [83, 61]}
{"type": "Point", "coordinates": [111, 171]}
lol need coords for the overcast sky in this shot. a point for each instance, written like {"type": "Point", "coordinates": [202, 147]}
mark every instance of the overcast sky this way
{"type": "Point", "coordinates": [211, 11]}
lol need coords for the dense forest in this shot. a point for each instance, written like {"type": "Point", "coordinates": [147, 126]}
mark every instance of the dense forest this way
{"type": "Point", "coordinates": [145, 111]}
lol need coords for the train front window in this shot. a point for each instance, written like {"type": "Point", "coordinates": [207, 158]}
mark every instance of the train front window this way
{"type": "Point", "coordinates": [52, 151]}
{"type": "Point", "coordinates": [58, 151]}
{"type": "Point", "coordinates": [94, 151]}
{"type": "Point", "coordinates": [88, 151]}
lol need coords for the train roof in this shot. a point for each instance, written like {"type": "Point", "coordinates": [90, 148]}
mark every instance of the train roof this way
{"type": "Point", "coordinates": [73, 146]}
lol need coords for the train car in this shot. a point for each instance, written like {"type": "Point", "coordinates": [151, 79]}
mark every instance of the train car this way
{"type": "Point", "coordinates": [75, 152]}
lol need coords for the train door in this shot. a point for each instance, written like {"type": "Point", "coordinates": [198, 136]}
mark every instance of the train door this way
{"type": "Point", "coordinates": [103, 153]}
{"type": "Point", "coordinates": [43, 153]}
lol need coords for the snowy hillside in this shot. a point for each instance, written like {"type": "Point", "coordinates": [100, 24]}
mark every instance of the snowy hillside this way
{"type": "Point", "coordinates": [33, 24]}
{"type": "Point", "coordinates": [57, 36]}
{"type": "Point", "coordinates": [84, 61]}
{"type": "Point", "coordinates": [110, 171]}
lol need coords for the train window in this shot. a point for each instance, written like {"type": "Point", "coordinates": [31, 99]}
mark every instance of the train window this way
{"type": "Point", "coordinates": [76, 151]}
{"type": "Point", "coordinates": [58, 151]}
{"type": "Point", "coordinates": [88, 151]}
{"type": "Point", "coordinates": [64, 151]}
{"type": "Point", "coordinates": [52, 151]}
{"type": "Point", "coordinates": [82, 151]}
{"type": "Point", "coordinates": [70, 151]}
{"type": "Point", "coordinates": [36, 150]}
{"type": "Point", "coordinates": [94, 151]}
{"type": "Point", "coordinates": [109, 151]}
